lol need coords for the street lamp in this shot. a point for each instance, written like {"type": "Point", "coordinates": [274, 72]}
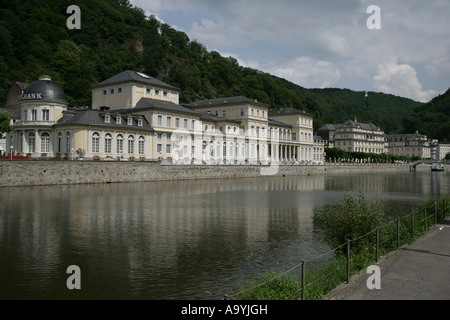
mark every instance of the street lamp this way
{"type": "Point", "coordinates": [11, 147]}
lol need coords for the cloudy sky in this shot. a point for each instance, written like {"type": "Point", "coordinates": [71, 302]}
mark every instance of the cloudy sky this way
{"type": "Point", "coordinates": [325, 43]}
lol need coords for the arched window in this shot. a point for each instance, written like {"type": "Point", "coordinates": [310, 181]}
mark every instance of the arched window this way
{"type": "Point", "coordinates": [45, 142]}
{"type": "Point", "coordinates": [68, 140]}
{"type": "Point", "coordinates": [130, 144]}
{"type": "Point", "coordinates": [141, 145]}
{"type": "Point", "coordinates": [95, 142]}
{"type": "Point", "coordinates": [59, 142]}
{"type": "Point", "coordinates": [31, 142]}
{"type": "Point", "coordinates": [108, 139]}
{"type": "Point", "coordinates": [119, 144]}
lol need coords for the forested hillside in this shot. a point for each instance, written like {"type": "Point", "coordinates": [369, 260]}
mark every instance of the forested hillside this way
{"type": "Point", "coordinates": [116, 36]}
{"type": "Point", "coordinates": [433, 118]}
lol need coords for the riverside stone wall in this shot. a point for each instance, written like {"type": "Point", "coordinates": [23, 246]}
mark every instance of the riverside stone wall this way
{"type": "Point", "coordinates": [33, 172]}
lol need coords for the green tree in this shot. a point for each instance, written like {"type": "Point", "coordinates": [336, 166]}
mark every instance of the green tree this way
{"type": "Point", "coordinates": [348, 219]}
{"type": "Point", "coordinates": [4, 124]}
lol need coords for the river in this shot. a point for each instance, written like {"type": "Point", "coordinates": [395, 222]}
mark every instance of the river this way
{"type": "Point", "coordinates": [181, 240]}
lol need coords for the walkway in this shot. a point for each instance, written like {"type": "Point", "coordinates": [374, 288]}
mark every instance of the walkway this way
{"type": "Point", "coordinates": [420, 271]}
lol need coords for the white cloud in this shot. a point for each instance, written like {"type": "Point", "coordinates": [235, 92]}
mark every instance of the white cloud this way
{"type": "Point", "coordinates": [307, 72]}
{"type": "Point", "coordinates": [401, 80]}
{"type": "Point", "coordinates": [341, 51]}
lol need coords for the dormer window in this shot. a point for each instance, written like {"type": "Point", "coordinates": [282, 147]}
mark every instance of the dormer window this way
{"type": "Point", "coordinates": [140, 122]}
{"type": "Point", "coordinates": [130, 121]}
{"type": "Point", "coordinates": [119, 120]}
{"type": "Point", "coordinates": [107, 118]}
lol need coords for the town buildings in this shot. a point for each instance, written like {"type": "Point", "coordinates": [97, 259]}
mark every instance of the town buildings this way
{"type": "Point", "coordinates": [354, 136]}
{"type": "Point", "coordinates": [135, 117]}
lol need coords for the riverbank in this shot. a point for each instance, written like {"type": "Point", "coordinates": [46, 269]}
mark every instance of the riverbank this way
{"type": "Point", "coordinates": [29, 173]}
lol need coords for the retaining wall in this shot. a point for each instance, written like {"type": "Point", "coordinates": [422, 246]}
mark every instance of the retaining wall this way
{"type": "Point", "coordinates": [26, 173]}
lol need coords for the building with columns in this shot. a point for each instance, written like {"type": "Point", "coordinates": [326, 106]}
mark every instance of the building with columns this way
{"type": "Point", "coordinates": [135, 117]}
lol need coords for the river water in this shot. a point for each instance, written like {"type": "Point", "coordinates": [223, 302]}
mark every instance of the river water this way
{"type": "Point", "coordinates": [175, 240]}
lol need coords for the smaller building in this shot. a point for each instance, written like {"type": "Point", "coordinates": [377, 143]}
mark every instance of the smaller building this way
{"type": "Point", "coordinates": [353, 136]}
{"type": "Point", "coordinates": [443, 148]}
{"type": "Point", "coordinates": [409, 145]}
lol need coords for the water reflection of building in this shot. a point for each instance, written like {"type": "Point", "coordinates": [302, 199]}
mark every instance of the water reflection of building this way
{"type": "Point", "coordinates": [137, 117]}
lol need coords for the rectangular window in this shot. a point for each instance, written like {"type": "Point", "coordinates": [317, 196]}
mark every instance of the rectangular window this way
{"type": "Point", "coordinates": [140, 122]}
{"type": "Point", "coordinates": [31, 143]}
{"type": "Point", "coordinates": [119, 120]}
{"type": "Point", "coordinates": [193, 124]}
{"type": "Point", "coordinates": [25, 115]}
{"type": "Point", "coordinates": [45, 143]}
{"type": "Point", "coordinates": [141, 146]}
{"type": "Point", "coordinates": [177, 122]}
{"type": "Point", "coordinates": [119, 90]}
{"type": "Point", "coordinates": [224, 113]}
{"type": "Point", "coordinates": [107, 145]}
{"type": "Point", "coordinates": [119, 146]}
{"type": "Point", "coordinates": [185, 123]}
{"type": "Point", "coordinates": [160, 121]}
{"type": "Point", "coordinates": [159, 148]}
{"type": "Point", "coordinates": [45, 115]}
{"type": "Point", "coordinates": [130, 121]}
{"type": "Point", "coordinates": [130, 146]}
{"type": "Point", "coordinates": [169, 122]}
{"type": "Point", "coordinates": [168, 148]}
{"type": "Point", "coordinates": [242, 112]}
{"type": "Point", "coordinates": [107, 118]}
{"type": "Point", "coordinates": [112, 91]}
{"type": "Point", "coordinates": [159, 136]}
{"type": "Point", "coordinates": [33, 115]}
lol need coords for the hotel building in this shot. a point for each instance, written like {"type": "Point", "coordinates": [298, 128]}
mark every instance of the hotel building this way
{"type": "Point", "coordinates": [135, 117]}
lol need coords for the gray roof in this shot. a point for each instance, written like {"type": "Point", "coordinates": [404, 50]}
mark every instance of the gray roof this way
{"type": "Point", "coordinates": [225, 101]}
{"type": "Point", "coordinates": [44, 90]}
{"type": "Point", "coordinates": [278, 123]}
{"type": "Point", "coordinates": [97, 118]}
{"type": "Point", "coordinates": [356, 124]}
{"type": "Point", "coordinates": [213, 118]}
{"type": "Point", "coordinates": [287, 111]}
{"type": "Point", "coordinates": [154, 104]}
{"type": "Point", "coordinates": [328, 127]}
{"type": "Point", "coordinates": [13, 113]}
{"type": "Point", "coordinates": [134, 76]}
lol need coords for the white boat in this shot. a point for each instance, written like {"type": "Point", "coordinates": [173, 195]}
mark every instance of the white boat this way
{"type": "Point", "coordinates": [437, 167]}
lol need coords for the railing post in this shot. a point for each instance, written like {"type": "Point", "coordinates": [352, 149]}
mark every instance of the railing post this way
{"type": "Point", "coordinates": [443, 208]}
{"type": "Point", "coordinates": [398, 232]}
{"type": "Point", "coordinates": [377, 245]}
{"type": "Point", "coordinates": [303, 278]}
{"type": "Point", "coordinates": [426, 227]}
{"type": "Point", "coordinates": [348, 261]}
{"type": "Point", "coordinates": [435, 213]}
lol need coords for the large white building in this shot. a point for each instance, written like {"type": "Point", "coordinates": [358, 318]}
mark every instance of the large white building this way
{"type": "Point", "coordinates": [136, 117]}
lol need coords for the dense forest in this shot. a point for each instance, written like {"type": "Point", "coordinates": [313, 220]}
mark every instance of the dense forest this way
{"type": "Point", "coordinates": [115, 36]}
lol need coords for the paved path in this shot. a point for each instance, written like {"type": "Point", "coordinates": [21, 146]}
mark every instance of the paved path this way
{"type": "Point", "coordinates": [420, 271]}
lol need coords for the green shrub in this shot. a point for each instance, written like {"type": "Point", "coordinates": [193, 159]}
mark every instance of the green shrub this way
{"type": "Point", "coordinates": [350, 218]}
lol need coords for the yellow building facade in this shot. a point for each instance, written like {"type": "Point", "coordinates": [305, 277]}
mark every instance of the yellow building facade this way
{"type": "Point", "coordinates": [135, 117]}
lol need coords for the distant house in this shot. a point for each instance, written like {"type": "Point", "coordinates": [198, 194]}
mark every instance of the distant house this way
{"type": "Point", "coordinates": [354, 136]}
{"type": "Point", "coordinates": [409, 145]}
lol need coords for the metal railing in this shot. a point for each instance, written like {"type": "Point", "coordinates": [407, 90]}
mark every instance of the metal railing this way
{"type": "Point", "coordinates": [352, 257]}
